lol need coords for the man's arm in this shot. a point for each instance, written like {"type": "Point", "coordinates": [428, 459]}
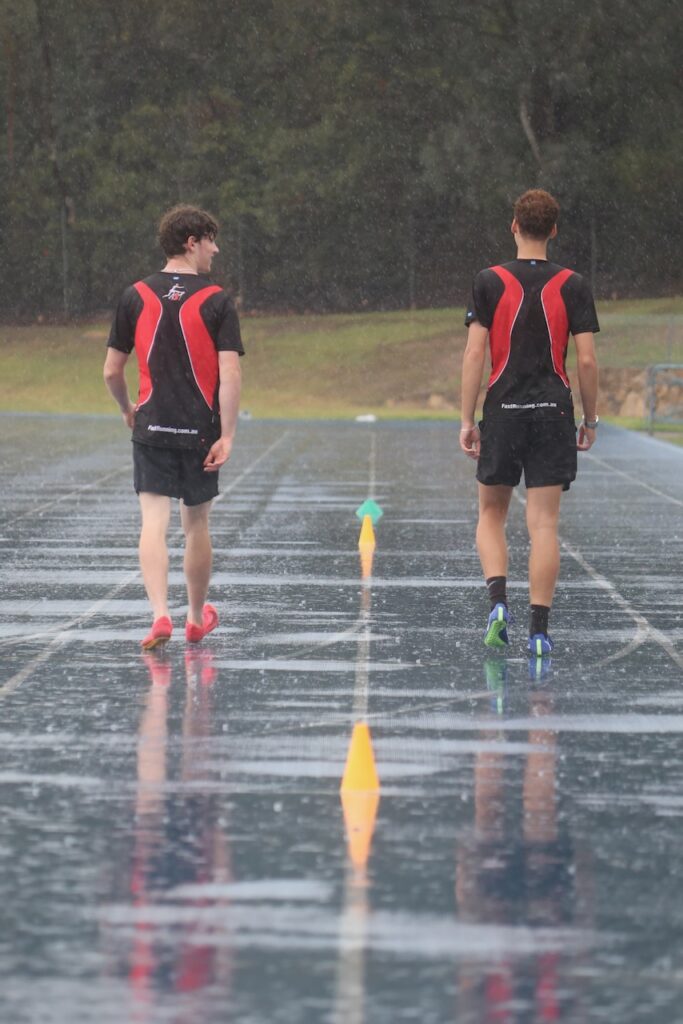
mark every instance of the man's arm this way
{"type": "Point", "coordinates": [229, 403]}
{"type": "Point", "coordinates": [587, 369]}
{"type": "Point", "coordinates": [472, 370]}
{"type": "Point", "coordinates": [115, 380]}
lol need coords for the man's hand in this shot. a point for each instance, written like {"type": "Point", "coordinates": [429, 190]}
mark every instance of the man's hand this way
{"type": "Point", "coordinates": [219, 453]}
{"type": "Point", "coordinates": [470, 441]}
{"type": "Point", "coordinates": [129, 415]}
{"type": "Point", "coordinates": [586, 438]}
{"type": "Point", "coordinates": [472, 368]}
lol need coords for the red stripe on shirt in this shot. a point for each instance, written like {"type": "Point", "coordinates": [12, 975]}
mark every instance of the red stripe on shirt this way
{"type": "Point", "coordinates": [200, 345]}
{"type": "Point", "coordinates": [145, 334]}
{"type": "Point", "coordinates": [500, 331]}
{"type": "Point", "coordinates": [558, 322]}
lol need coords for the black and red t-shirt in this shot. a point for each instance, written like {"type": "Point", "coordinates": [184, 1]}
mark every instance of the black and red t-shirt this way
{"type": "Point", "coordinates": [177, 324]}
{"type": "Point", "coordinates": [530, 308]}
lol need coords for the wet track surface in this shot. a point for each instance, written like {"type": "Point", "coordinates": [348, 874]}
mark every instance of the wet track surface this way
{"type": "Point", "coordinates": [173, 842]}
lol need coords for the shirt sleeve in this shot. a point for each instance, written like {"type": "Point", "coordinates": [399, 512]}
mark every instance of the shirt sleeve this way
{"type": "Point", "coordinates": [122, 333]}
{"type": "Point", "coordinates": [482, 301]}
{"type": "Point", "coordinates": [227, 326]}
{"type": "Point", "coordinates": [578, 299]}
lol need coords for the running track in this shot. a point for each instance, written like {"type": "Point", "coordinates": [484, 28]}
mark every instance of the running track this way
{"type": "Point", "coordinates": [173, 843]}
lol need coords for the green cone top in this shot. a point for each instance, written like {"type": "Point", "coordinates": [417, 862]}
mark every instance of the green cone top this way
{"type": "Point", "coordinates": [369, 508]}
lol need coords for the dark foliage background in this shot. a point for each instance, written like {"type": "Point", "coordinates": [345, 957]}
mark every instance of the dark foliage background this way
{"type": "Point", "coordinates": [358, 153]}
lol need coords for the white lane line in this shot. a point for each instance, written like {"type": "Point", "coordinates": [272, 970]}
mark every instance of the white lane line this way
{"type": "Point", "coordinates": [250, 468]}
{"type": "Point", "coordinates": [643, 624]}
{"type": "Point", "coordinates": [644, 629]}
{"type": "Point", "coordinates": [58, 634]}
{"type": "Point", "coordinates": [372, 460]}
{"type": "Point", "coordinates": [634, 479]}
{"type": "Point", "coordinates": [62, 627]}
{"type": "Point", "coordinates": [37, 509]}
{"type": "Point", "coordinates": [18, 678]}
{"type": "Point", "coordinates": [60, 630]}
{"type": "Point", "coordinates": [358, 630]}
{"type": "Point", "coordinates": [487, 725]}
{"type": "Point", "coordinates": [640, 637]}
{"type": "Point", "coordinates": [361, 622]}
{"type": "Point", "coordinates": [349, 634]}
{"type": "Point", "coordinates": [361, 689]}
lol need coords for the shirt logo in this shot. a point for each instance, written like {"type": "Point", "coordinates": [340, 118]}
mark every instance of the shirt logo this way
{"type": "Point", "coordinates": [175, 293]}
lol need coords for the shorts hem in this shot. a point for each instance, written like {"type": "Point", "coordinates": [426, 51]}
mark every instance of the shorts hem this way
{"type": "Point", "coordinates": [499, 483]}
{"type": "Point", "coordinates": [550, 483]}
{"type": "Point", "coordinates": [173, 473]}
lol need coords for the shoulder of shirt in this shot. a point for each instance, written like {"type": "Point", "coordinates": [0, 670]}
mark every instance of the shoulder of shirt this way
{"type": "Point", "coordinates": [574, 278]}
{"type": "Point", "coordinates": [149, 280]}
{"type": "Point", "coordinates": [486, 272]}
{"type": "Point", "coordinates": [130, 292]}
{"type": "Point", "coordinates": [508, 265]}
{"type": "Point", "coordinates": [218, 296]}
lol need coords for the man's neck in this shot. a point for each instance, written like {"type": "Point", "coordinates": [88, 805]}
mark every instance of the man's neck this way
{"type": "Point", "coordinates": [530, 249]}
{"type": "Point", "coordinates": [179, 265]}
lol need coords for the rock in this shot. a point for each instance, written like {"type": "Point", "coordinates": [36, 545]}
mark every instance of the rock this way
{"type": "Point", "coordinates": [439, 402]}
{"type": "Point", "coordinates": [633, 406]}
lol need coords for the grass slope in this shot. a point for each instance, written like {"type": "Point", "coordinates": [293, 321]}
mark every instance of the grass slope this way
{"type": "Point", "coordinates": [393, 364]}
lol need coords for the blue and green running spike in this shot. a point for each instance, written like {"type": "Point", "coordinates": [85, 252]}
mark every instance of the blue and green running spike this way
{"type": "Point", "coordinates": [497, 628]}
{"type": "Point", "coordinates": [540, 645]}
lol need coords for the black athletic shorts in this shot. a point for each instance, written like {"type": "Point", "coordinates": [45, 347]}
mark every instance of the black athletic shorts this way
{"type": "Point", "coordinates": [544, 447]}
{"type": "Point", "coordinates": [176, 472]}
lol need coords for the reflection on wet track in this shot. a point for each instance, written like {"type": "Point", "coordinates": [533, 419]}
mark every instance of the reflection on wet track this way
{"type": "Point", "coordinates": [175, 846]}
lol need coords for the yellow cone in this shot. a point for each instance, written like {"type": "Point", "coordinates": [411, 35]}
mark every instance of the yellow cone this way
{"type": "Point", "coordinates": [367, 534]}
{"type": "Point", "coordinates": [360, 773]}
{"type": "Point", "coordinates": [360, 813]}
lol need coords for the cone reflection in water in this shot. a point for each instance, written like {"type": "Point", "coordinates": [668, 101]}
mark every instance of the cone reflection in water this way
{"type": "Point", "coordinates": [360, 812]}
{"type": "Point", "coordinates": [366, 556]}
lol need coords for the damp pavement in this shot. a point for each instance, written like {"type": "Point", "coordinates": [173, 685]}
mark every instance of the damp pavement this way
{"type": "Point", "coordinates": [174, 847]}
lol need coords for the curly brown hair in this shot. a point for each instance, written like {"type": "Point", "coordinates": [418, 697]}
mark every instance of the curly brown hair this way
{"type": "Point", "coordinates": [178, 224]}
{"type": "Point", "coordinates": [536, 213]}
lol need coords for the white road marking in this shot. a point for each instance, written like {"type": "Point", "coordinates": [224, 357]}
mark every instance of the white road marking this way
{"type": "Point", "coordinates": [372, 481]}
{"type": "Point", "coordinates": [645, 630]}
{"type": "Point", "coordinates": [57, 632]}
{"type": "Point", "coordinates": [37, 509]}
{"type": "Point", "coordinates": [634, 479]}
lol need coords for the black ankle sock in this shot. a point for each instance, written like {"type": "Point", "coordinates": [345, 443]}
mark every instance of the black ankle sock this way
{"type": "Point", "coordinates": [539, 619]}
{"type": "Point", "coordinates": [496, 588]}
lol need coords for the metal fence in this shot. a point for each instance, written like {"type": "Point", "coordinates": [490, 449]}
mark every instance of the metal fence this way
{"type": "Point", "coordinates": [665, 394]}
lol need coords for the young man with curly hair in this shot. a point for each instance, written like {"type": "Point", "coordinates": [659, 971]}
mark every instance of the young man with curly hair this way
{"type": "Point", "coordinates": [525, 311]}
{"type": "Point", "coordinates": [186, 337]}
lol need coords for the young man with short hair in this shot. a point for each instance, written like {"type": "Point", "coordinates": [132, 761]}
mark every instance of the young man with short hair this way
{"type": "Point", "coordinates": [525, 310]}
{"type": "Point", "coordinates": [186, 336]}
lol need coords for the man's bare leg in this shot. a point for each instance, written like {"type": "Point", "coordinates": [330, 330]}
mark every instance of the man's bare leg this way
{"type": "Point", "coordinates": [494, 502]}
{"type": "Point", "coordinates": [542, 517]}
{"type": "Point", "coordinates": [198, 557]}
{"type": "Point", "coordinates": [156, 514]}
